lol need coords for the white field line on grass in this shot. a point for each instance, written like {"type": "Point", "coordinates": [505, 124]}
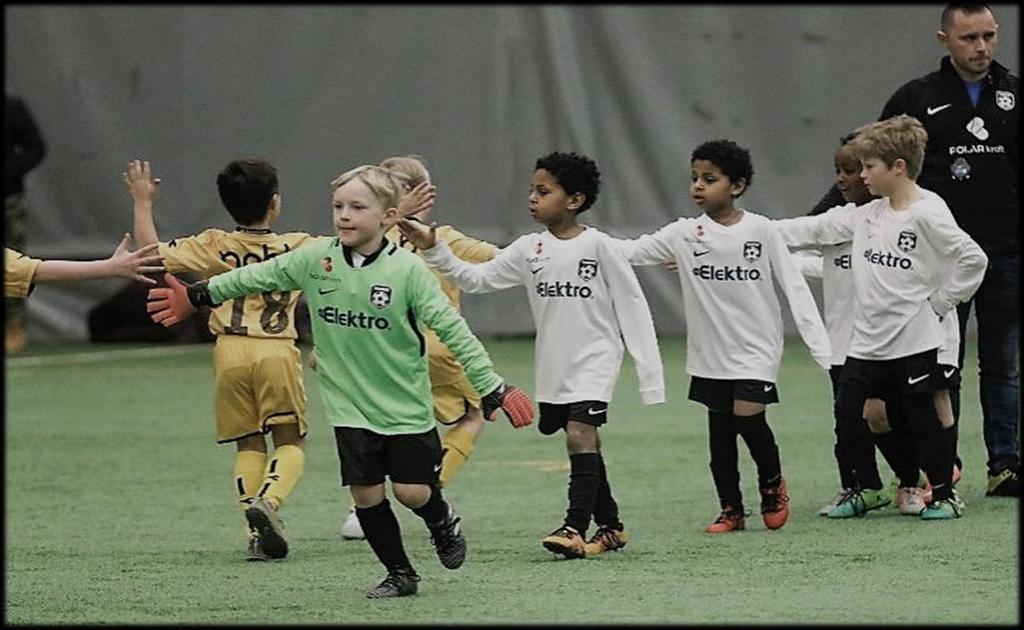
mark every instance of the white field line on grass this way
{"type": "Point", "coordinates": [102, 355]}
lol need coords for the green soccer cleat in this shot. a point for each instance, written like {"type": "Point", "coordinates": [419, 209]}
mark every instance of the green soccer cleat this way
{"type": "Point", "coordinates": [943, 509]}
{"type": "Point", "coordinates": [860, 502]}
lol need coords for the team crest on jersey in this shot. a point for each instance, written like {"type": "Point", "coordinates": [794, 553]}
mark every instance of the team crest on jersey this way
{"type": "Point", "coordinates": [327, 264]}
{"type": "Point", "coordinates": [1005, 100]}
{"type": "Point", "coordinates": [752, 250]}
{"type": "Point", "coordinates": [380, 295]}
{"type": "Point", "coordinates": [587, 269]}
{"type": "Point", "coordinates": [906, 241]}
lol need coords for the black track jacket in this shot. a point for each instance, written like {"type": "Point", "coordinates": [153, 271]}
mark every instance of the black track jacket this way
{"type": "Point", "coordinates": [971, 159]}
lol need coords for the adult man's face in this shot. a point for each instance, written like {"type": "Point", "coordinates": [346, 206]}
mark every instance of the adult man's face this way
{"type": "Point", "coordinates": [970, 39]}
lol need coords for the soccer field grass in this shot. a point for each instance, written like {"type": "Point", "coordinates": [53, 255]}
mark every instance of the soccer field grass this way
{"type": "Point", "coordinates": [119, 508]}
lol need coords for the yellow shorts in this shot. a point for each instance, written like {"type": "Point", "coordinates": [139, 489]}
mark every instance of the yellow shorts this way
{"type": "Point", "coordinates": [258, 385]}
{"type": "Point", "coordinates": [450, 388]}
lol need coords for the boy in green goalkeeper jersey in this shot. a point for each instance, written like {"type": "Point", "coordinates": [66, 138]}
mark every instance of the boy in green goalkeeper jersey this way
{"type": "Point", "coordinates": [367, 299]}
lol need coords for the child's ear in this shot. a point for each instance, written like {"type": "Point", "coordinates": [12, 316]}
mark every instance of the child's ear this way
{"type": "Point", "coordinates": [576, 201]}
{"type": "Point", "coordinates": [739, 187]}
{"type": "Point", "coordinates": [391, 217]}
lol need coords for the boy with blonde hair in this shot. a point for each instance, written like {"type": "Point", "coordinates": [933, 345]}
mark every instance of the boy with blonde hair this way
{"type": "Point", "coordinates": [911, 265]}
{"type": "Point", "coordinates": [368, 299]}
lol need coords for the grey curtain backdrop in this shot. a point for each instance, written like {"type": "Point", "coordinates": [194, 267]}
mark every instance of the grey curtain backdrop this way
{"type": "Point", "coordinates": [479, 91]}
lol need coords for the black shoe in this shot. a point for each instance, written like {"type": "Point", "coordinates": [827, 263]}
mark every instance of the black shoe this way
{"type": "Point", "coordinates": [448, 540]}
{"type": "Point", "coordinates": [397, 584]}
{"type": "Point", "coordinates": [1005, 483]}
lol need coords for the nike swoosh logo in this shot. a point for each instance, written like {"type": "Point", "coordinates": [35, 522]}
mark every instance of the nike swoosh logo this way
{"type": "Point", "coordinates": [701, 253]}
{"type": "Point", "coordinates": [534, 271]}
{"type": "Point", "coordinates": [931, 111]}
{"type": "Point", "coordinates": [947, 374]}
{"type": "Point", "coordinates": [326, 291]}
{"type": "Point", "coordinates": [593, 412]}
{"type": "Point", "coordinates": [911, 380]}
{"type": "Point", "coordinates": [437, 468]}
{"type": "Point", "coordinates": [768, 388]}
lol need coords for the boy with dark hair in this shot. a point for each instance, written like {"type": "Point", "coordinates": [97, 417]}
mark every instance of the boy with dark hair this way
{"type": "Point", "coordinates": [585, 301]}
{"type": "Point", "coordinates": [727, 258]}
{"type": "Point", "coordinates": [258, 373]}
{"type": "Point", "coordinates": [368, 298]}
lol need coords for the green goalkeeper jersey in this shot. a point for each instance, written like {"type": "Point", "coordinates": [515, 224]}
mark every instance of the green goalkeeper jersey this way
{"type": "Point", "coordinates": [371, 353]}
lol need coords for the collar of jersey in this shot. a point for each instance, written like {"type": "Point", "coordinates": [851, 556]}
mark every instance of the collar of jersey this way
{"type": "Point", "coordinates": [239, 228]}
{"type": "Point", "coordinates": [385, 245]}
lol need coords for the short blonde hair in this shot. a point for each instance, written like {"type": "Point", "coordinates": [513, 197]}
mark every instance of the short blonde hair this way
{"type": "Point", "coordinates": [408, 169]}
{"type": "Point", "coordinates": [381, 182]}
{"type": "Point", "coordinates": [891, 139]}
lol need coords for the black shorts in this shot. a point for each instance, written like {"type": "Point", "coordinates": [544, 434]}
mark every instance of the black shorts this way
{"type": "Point", "coordinates": [947, 376]}
{"type": "Point", "coordinates": [553, 417]}
{"type": "Point", "coordinates": [367, 457]}
{"type": "Point", "coordinates": [719, 395]}
{"type": "Point", "coordinates": [891, 379]}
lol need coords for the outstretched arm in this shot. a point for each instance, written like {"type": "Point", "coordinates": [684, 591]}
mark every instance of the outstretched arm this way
{"type": "Point", "coordinates": [142, 187]}
{"type": "Point", "coordinates": [122, 263]}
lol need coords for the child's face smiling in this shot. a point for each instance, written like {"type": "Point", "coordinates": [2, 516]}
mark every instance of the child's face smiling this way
{"type": "Point", "coordinates": [710, 188]}
{"type": "Point", "coordinates": [358, 216]}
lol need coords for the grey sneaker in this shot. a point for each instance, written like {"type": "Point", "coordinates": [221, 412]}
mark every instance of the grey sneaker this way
{"type": "Point", "coordinates": [256, 553]}
{"type": "Point", "coordinates": [448, 540]}
{"type": "Point", "coordinates": [264, 520]}
{"type": "Point", "coordinates": [397, 584]}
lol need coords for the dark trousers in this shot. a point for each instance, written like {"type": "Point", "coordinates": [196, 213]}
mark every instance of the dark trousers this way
{"type": "Point", "coordinates": [997, 309]}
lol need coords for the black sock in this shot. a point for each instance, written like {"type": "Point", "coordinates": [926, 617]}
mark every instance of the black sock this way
{"type": "Point", "coordinates": [849, 410]}
{"type": "Point", "coordinates": [895, 452]}
{"type": "Point", "coordinates": [761, 442]}
{"type": "Point", "coordinates": [724, 459]}
{"type": "Point", "coordinates": [931, 440]}
{"type": "Point", "coordinates": [584, 479]}
{"type": "Point", "coordinates": [384, 536]}
{"type": "Point", "coordinates": [953, 436]}
{"type": "Point", "coordinates": [435, 510]}
{"type": "Point", "coordinates": [606, 511]}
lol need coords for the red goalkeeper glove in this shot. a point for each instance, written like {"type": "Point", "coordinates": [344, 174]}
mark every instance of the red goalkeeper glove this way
{"type": "Point", "coordinates": [513, 401]}
{"type": "Point", "coordinates": [177, 301]}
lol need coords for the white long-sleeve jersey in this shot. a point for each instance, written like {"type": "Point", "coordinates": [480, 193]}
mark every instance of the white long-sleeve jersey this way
{"type": "Point", "coordinates": [733, 318]}
{"type": "Point", "coordinates": [908, 266]}
{"type": "Point", "coordinates": [835, 268]}
{"type": "Point", "coordinates": [585, 300]}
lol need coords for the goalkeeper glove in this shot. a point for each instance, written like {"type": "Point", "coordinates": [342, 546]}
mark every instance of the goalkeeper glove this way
{"type": "Point", "coordinates": [513, 401]}
{"type": "Point", "coordinates": [177, 301]}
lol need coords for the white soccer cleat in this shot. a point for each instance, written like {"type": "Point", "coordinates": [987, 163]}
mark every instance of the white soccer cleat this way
{"type": "Point", "coordinates": [351, 529]}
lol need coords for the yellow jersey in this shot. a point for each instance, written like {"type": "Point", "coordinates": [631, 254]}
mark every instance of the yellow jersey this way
{"type": "Point", "coordinates": [19, 269]}
{"type": "Point", "coordinates": [270, 314]}
{"type": "Point", "coordinates": [444, 368]}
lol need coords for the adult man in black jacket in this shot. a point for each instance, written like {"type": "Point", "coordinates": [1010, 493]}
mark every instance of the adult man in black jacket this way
{"type": "Point", "coordinates": [969, 108]}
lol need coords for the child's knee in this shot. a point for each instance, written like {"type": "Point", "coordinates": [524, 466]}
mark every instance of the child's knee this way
{"type": "Point", "coordinates": [411, 495]}
{"type": "Point", "coordinates": [581, 437]}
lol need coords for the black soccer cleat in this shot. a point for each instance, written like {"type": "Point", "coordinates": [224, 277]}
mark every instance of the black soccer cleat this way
{"type": "Point", "coordinates": [398, 583]}
{"type": "Point", "coordinates": [448, 540]}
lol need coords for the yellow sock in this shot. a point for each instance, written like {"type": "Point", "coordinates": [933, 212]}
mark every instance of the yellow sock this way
{"type": "Point", "coordinates": [249, 467]}
{"type": "Point", "coordinates": [284, 469]}
{"type": "Point", "coordinates": [458, 444]}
